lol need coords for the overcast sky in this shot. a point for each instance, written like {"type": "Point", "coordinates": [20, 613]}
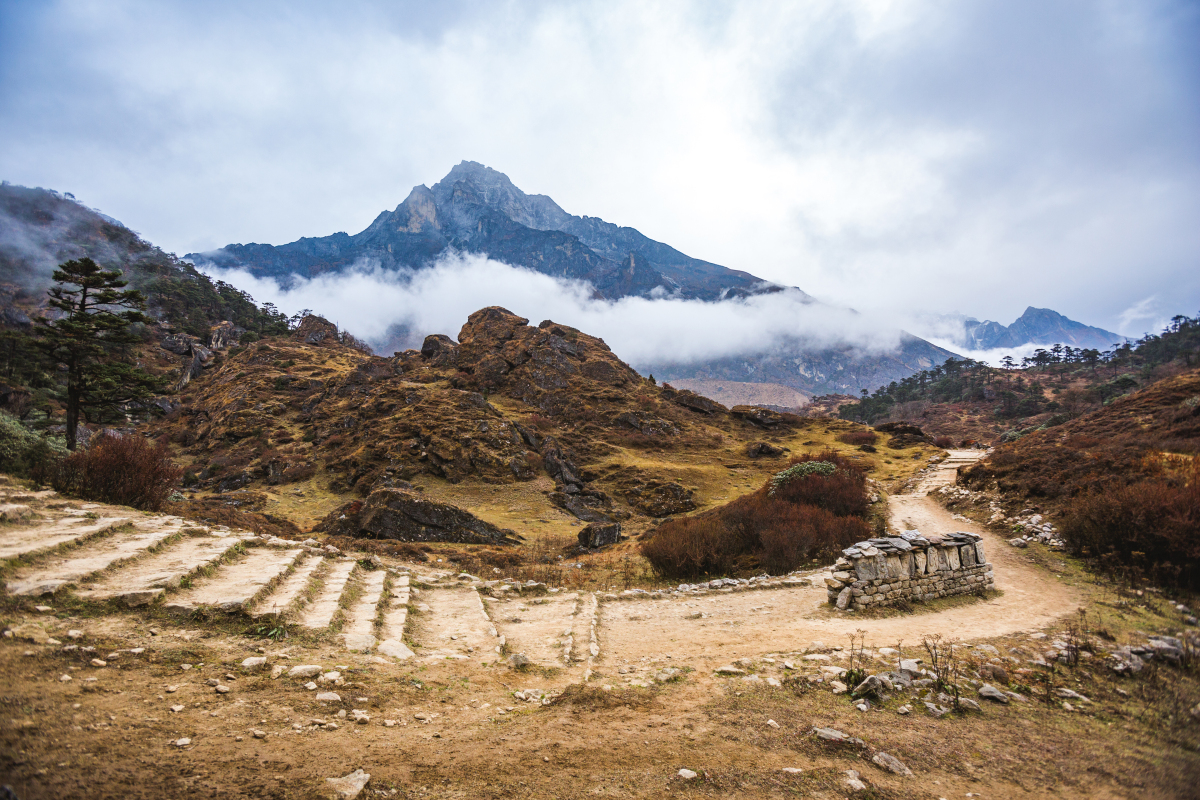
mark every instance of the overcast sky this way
{"type": "Point", "coordinates": [926, 155]}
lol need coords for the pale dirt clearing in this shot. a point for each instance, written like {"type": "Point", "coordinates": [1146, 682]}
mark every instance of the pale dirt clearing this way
{"type": "Point", "coordinates": [543, 628]}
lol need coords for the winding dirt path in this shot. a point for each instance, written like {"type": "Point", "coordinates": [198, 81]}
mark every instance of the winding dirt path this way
{"type": "Point", "coordinates": [719, 628]}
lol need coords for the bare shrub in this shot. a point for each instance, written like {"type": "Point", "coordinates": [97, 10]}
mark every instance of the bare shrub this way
{"type": "Point", "coordinates": [778, 532]}
{"type": "Point", "coordinates": [124, 470]}
{"type": "Point", "coordinates": [859, 437]}
{"type": "Point", "coordinates": [943, 442]}
{"type": "Point", "coordinates": [843, 492]}
{"type": "Point", "coordinates": [1147, 527]}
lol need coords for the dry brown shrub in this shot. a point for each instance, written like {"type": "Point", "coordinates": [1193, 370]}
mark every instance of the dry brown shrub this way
{"type": "Point", "coordinates": [1148, 528]}
{"type": "Point", "coordinates": [943, 442]}
{"type": "Point", "coordinates": [844, 493]}
{"type": "Point", "coordinates": [123, 470]}
{"type": "Point", "coordinates": [807, 518]}
{"type": "Point", "coordinates": [859, 437]}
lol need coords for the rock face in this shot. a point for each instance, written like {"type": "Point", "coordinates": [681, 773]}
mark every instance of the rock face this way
{"type": "Point", "coordinates": [407, 517]}
{"type": "Point", "coordinates": [909, 567]}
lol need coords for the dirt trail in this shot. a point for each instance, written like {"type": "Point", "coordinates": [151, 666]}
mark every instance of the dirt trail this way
{"type": "Point", "coordinates": [709, 630]}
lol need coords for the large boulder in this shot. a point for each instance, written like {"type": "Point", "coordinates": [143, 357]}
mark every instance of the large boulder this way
{"type": "Point", "coordinates": [600, 534]}
{"type": "Point", "coordinates": [407, 517]}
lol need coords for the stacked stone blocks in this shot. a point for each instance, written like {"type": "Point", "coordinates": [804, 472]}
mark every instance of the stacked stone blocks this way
{"type": "Point", "coordinates": [909, 567]}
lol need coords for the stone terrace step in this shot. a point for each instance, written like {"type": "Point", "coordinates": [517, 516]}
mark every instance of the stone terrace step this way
{"type": "Point", "coordinates": [542, 628]}
{"type": "Point", "coordinates": [147, 578]}
{"type": "Point", "coordinates": [394, 620]}
{"type": "Point", "coordinates": [41, 536]}
{"type": "Point", "coordinates": [455, 626]}
{"type": "Point", "coordinates": [54, 572]}
{"type": "Point", "coordinates": [320, 612]}
{"type": "Point", "coordinates": [235, 585]}
{"type": "Point", "coordinates": [359, 632]}
{"type": "Point", "coordinates": [290, 590]}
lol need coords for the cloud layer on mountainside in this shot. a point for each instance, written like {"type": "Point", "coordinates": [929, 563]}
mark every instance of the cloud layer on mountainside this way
{"type": "Point", "coordinates": [396, 309]}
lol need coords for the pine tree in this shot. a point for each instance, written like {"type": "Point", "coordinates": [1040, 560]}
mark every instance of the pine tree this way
{"type": "Point", "coordinates": [91, 340]}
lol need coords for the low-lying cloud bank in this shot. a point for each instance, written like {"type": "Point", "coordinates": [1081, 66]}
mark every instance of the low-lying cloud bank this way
{"type": "Point", "coordinates": [396, 309]}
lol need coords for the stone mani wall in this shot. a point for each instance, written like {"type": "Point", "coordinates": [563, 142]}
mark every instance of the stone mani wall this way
{"type": "Point", "coordinates": [909, 567]}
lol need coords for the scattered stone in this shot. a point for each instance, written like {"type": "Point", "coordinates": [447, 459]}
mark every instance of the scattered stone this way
{"type": "Point", "coordinates": [30, 633]}
{"type": "Point", "coordinates": [834, 736]}
{"type": "Point", "coordinates": [43, 609]}
{"type": "Point", "coordinates": [872, 685]}
{"type": "Point", "coordinates": [74, 634]}
{"type": "Point", "coordinates": [359, 716]}
{"type": "Point", "coordinates": [328, 697]}
{"type": "Point", "coordinates": [310, 686]}
{"type": "Point", "coordinates": [65, 678]}
{"type": "Point", "coordinates": [793, 770]}
{"type": "Point", "coordinates": [304, 671]}
{"type": "Point", "coordinates": [838, 687]}
{"type": "Point", "coordinates": [222, 689]}
{"type": "Point", "coordinates": [176, 709]}
{"type": "Point", "coordinates": [349, 786]}
{"type": "Point", "coordinates": [687, 775]}
{"type": "Point", "coordinates": [519, 660]}
{"type": "Point", "coordinates": [729, 669]}
{"type": "Point", "coordinates": [904, 710]}
{"type": "Point", "coordinates": [773, 723]}
{"type": "Point", "coordinates": [254, 662]}
{"type": "Point", "coordinates": [257, 734]}
{"type": "Point", "coordinates": [98, 662]}
{"type": "Point", "coordinates": [212, 682]}
{"type": "Point", "coordinates": [853, 780]}
{"type": "Point", "coordinates": [891, 764]}
{"type": "Point", "coordinates": [992, 693]}
{"type": "Point", "coordinates": [277, 670]}
{"type": "Point", "coordinates": [1017, 541]}
{"type": "Point", "coordinates": [184, 742]}
{"type": "Point", "coordinates": [172, 689]}
{"type": "Point", "coordinates": [1071, 694]}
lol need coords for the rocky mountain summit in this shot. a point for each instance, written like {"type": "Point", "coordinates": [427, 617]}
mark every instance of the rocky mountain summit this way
{"type": "Point", "coordinates": [1037, 326]}
{"type": "Point", "coordinates": [476, 209]}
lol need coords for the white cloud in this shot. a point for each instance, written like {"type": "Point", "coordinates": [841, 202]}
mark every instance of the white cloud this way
{"type": "Point", "coordinates": [370, 302]}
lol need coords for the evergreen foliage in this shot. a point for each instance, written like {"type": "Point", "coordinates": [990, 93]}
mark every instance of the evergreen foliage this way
{"type": "Point", "coordinates": [91, 339]}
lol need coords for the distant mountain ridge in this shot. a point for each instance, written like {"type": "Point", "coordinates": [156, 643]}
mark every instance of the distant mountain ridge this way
{"type": "Point", "coordinates": [1037, 326]}
{"type": "Point", "coordinates": [477, 209]}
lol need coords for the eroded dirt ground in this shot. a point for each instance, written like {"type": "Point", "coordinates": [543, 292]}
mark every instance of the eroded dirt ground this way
{"type": "Point", "coordinates": [615, 712]}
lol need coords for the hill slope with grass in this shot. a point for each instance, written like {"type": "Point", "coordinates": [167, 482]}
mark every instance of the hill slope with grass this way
{"type": "Point", "coordinates": [537, 429]}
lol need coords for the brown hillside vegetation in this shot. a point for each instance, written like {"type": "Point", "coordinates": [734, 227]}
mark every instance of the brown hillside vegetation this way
{"type": "Point", "coordinates": [297, 426]}
{"type": "Point", "coordinates": [1123, 479]}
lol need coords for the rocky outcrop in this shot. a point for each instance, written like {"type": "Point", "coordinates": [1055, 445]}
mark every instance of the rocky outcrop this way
{"type": "Point", "coordinates": [759, 416]}
{"type": "Point", "coordinates": [909, 567]}
{"type": "Point", "coordinates": [316, 330]}
{"type": "Point", "coordinates": [904, 434]}
{"type": "Point", "coordinates": [660, 498]}
{"type": "Point", "coordinates": [407, 517]}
